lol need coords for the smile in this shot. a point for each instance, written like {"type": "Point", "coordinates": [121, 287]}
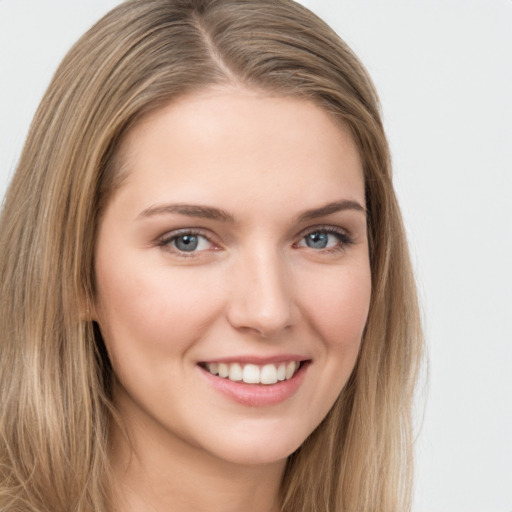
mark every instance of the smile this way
{"type": "Point", "coordinates": [252, 373]}
{"type": "Point", "coordinates": [256, 383]}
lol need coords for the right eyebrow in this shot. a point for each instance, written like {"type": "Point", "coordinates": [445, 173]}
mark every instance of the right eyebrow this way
{"type": "Point", "coordinates": [189, 210]}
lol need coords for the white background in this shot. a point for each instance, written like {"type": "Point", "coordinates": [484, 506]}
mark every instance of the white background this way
{"type": "Point", "coordinates": [444, 72]}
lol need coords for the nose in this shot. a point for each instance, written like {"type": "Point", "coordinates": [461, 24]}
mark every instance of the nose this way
{"type": "Point", "coordinates": [262, 299]}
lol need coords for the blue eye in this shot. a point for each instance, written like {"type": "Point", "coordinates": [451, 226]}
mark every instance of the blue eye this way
{"type": "Point", "coordinates": [186, 242]}
{"type": "Point", "coordinates": [325, 239]}
{"type": "Point", "coordinates": [317, 240]}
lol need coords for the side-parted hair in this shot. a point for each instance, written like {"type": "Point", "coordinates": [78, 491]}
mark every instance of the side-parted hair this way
{"type": "Point", "coordinates": [55, 377]}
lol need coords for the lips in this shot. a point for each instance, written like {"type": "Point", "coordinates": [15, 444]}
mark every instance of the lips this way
{"type": "Point", "coordinates": [256, 383]}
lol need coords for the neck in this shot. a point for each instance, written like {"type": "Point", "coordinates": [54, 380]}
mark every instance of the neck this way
{"type": "Point", "coordinates": [159, 473]}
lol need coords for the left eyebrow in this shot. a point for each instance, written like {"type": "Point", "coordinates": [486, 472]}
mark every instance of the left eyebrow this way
{"type": "Point", "coordinates": [330, 208]}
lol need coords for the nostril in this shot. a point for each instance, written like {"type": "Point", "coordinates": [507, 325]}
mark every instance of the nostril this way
{"type": "Point", "coordinates": [265, 322]}
{"type": "Point", "coordinates": [261, 301]}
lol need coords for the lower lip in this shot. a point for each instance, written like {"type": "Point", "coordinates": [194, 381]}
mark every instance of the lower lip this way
{"type": "Point", "coordinates": [257, 395]}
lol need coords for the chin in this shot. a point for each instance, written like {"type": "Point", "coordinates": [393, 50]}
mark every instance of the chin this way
{"type": "Point", "coordinates": [259, 446]}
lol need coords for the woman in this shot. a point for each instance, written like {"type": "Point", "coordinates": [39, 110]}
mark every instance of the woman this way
{"type": "Point", "coordinates": [207, 300]}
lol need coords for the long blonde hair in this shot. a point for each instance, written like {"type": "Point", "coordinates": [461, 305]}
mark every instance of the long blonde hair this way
{"type": "Point", "coordinates": [55, 376]}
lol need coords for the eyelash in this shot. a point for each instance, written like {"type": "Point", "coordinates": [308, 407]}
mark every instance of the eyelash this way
{"type": "Point", "coordinates": [344, 240]}
{"type": "Point", "coordinates": [167, 240]}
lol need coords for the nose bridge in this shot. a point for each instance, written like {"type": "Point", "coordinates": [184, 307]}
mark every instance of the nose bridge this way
{"type": "Point", "coordinates": [262, 298]}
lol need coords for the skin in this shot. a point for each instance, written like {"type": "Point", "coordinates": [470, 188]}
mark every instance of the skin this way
{"type": "Point", "coordinates": [252, 288]}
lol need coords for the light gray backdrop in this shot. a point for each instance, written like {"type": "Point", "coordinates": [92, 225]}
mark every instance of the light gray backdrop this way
{"type": "Point", "coordinates": [444, 72]}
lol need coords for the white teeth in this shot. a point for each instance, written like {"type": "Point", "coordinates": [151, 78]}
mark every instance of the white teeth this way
{"type": "Point", "coordinates": [290, 369]}
{"type": "Point", "coordinates": [252, 373]}
{"type": "Point", "coordinates": [268, 374]}
{"type": "Point", "coordinates": [235, 372]}
{"type": "Point", "coordinates": [223, 370]}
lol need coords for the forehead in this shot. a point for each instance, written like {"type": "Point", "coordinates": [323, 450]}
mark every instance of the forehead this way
{"type": "Point", "coordinates": [241, 142]}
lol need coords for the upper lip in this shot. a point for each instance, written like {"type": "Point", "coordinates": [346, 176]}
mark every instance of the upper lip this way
{"type": "Point", "coordinates": [258, 360]}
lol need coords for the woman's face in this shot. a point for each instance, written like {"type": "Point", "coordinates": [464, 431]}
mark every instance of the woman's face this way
{"type": "Point", "coordinates": [236, 246]}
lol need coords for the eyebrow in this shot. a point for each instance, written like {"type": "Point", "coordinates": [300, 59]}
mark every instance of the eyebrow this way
{"type": "Point", "coordinates": [209, 212]}
{"type": "Point", "coordinates": [328, 209]}
{"type": "Point", "coordinates": [190, 210]}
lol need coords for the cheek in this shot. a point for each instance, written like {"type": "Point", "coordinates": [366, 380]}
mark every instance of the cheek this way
{"type": "Point", "coordinates": [150, 313]}
{"type": "Point", "coordinates": [338, 306]}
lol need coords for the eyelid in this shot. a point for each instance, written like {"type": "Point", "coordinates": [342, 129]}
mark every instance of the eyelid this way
{"type": "Point", "coordinates": [165, 240]}
{"type": "Point", "coordinates": [344, 235]}
{"type": "Point", "coordinates": [328, 228]}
